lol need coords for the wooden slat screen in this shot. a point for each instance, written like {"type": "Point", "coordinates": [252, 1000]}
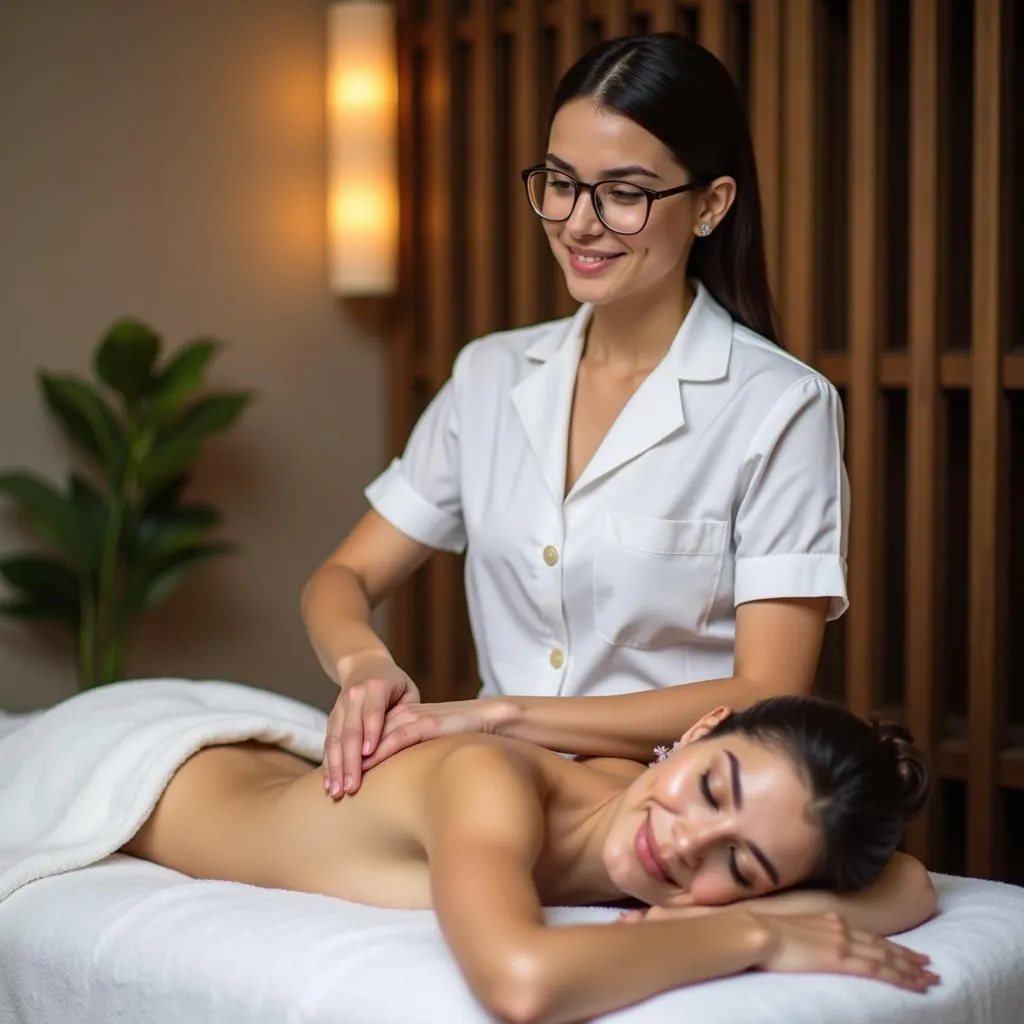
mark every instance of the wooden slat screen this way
{"type": "Point", "coordinates": [887, 133]}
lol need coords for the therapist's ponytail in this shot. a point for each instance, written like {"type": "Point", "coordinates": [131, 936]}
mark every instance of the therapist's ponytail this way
{"type": "Point", "coordinates": [684, 96]}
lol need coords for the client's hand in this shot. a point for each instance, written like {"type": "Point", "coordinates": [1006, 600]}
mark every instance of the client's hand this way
{"type": "Point", "coordinates": [409, 724]}
{"type": "Point", "coordinates": [371, 685]}
{"type": "Point", "coordinates": [825, 943]}
{"type": "Point", "coordinates": [817, 944]}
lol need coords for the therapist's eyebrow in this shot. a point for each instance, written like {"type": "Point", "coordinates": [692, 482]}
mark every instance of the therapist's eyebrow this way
{"type": "Point", "coordinates": [737, 797]}
{"type": "Point", "coordinates": [633, 170]}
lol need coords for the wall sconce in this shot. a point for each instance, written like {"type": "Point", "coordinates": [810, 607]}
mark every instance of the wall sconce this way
{"type": "Point", "coordinates": [362, 110]}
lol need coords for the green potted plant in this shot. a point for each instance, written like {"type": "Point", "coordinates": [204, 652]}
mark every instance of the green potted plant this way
{"type": "Point", "coordinates": [120, 537]}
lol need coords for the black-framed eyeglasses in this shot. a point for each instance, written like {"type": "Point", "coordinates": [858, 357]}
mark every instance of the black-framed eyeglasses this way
{"type": "Point", "coordinates": [622, 206]}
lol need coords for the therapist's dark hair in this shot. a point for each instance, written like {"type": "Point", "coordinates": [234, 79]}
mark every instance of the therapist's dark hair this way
{"type": "Point", "coordinates": [867, 781]}
{"type": "Point", "coordinates": [684, 96]}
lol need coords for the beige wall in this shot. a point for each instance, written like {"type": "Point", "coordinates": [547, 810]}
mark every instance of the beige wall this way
{"type": "Point", "coordinates": [165, 159]}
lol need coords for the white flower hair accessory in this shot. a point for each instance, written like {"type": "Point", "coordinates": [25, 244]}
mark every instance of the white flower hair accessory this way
{"type": "Point", "coordinates": [662, 754]}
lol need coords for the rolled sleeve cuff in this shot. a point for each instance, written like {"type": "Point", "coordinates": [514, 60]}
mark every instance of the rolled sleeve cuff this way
{"type": "Point", "coordinates": [776, 576]}
{"type": "Point", "coordinates": [395, 498]}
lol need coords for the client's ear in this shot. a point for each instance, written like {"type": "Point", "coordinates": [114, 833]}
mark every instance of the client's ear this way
{"type": "Point", "coordinates": [705, 724]}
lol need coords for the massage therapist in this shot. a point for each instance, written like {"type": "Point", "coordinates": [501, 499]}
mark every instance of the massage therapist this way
{"type": "Point", "coordinates": [651, 494]}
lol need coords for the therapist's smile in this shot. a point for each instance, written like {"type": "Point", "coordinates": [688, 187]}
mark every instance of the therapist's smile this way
{"type": "Point", "coordinates": [590, 261]}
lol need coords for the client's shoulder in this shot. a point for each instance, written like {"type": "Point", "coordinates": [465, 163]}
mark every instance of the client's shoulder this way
{"type": "Point", "coordinates": [470, 753]}
{"type": "Point", "coordinates": [487, 786]}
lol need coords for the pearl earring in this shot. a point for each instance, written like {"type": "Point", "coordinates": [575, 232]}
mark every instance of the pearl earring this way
{"type": "Point", "coordinates": [705, 229]}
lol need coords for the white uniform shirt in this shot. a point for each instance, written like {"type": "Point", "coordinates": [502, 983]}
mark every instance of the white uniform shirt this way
{"type": "Point", "coordinates": [722, 481]}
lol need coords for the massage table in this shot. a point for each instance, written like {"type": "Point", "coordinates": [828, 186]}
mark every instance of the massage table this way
{"type": "Point", "coordinates": [123, 940]}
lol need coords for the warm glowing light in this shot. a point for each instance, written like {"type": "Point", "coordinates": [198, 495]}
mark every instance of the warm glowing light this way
{"type": "Point", "coordinates": [362, 92]}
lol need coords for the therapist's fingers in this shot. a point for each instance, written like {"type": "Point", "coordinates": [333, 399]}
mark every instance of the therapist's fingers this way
{"type": "Point", "coordinates": [632, 916]}
{"type": "Point", "coordinates": [398, 738]}
{"type": "Point", "coordinates": [401, 716]}
{"type": "Point", "coordinates": [352, 740]}
{"type": "Point", "coordinates": [333, 755]}
{"type": "Point", "coordinates": [374, 711]}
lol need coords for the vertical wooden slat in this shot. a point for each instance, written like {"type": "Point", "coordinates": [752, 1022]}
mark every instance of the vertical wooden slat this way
{"type": "Point", "coordinates": [401, 617]}
{"type": "Point", "coordinates": [616, 19]}
{"type": "Point", "coordinates": [802, 137]}
{"type": "Point", "coordinates": [570, 49]}
{"type": "Point", "coordinates": [663, 15]}
{"type": "Point", "coordinates": [483, 154]}
{"type": "Point", "coordinates": [526, 73]}
{"type": "Point", "coordinates": [714, 28]}
{"type": "Point", "coordinates": [987, 446]}
{"type": "Point", "coordinates": [926, 271]}
{"type": "Point", "coordinates": [866, 324]}
{"type": "Point", "coordinates": [482, 219]}
{"type": "Point", "coordinates": [570, 35]}
{"type": "Point", "coordinates": [443, 578]}
{"type": "Point", "coordinates": [766, 121]}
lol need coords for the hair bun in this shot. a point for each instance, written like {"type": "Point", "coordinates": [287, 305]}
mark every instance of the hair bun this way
{"type": "Point", "coordinates": [912, 765]}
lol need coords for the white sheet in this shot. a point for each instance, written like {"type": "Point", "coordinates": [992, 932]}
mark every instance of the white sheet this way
{"type": "Point", "coordinates": [128, 941]}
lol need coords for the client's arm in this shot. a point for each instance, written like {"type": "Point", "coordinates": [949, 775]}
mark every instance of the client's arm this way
{"type": "Point", "coordinates": [485, 831]}
{"type": "Point", "coordinates": [901, 899]}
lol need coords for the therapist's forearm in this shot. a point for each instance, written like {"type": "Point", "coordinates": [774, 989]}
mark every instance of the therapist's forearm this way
{"type": "Point", "coordinates": [336, 613]}
{"type": "Point", "coordinates": [626, 725]}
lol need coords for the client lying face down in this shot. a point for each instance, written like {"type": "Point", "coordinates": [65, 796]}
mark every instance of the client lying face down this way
{"type": "Point", "coordinates": [792, 792]}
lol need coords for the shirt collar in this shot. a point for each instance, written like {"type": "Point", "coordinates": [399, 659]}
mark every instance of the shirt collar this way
{"type": "Point", "coordinates": [699, 351]}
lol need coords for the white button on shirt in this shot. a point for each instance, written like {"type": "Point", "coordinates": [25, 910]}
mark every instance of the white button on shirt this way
{"type": "Point", "coordinates": [721, 482]}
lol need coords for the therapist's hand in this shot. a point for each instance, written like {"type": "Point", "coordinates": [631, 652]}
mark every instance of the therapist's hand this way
{"type": "Point", "coordinates": [371, 685]}
{"type": "Point", "coordinates": [408, 724]}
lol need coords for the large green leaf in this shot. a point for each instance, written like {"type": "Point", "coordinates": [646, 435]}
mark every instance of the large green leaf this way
{"type": "Point", "coordinates": [167, 463]}
{"type": "Point", "coordinates": [178, 444]}
{"type": "Point", "coordinates": [125, 358]}
{"type": "Point", "coordinates": [54, 517]}
{"type": "Point", "coordinates": [153, 587]}
{"type": "Point", "coordinates": [86, 419]}
{"type": "Point", "coordinates": [161, 535]}
{"type": "Point", "coordinates": [49, 589]}
{"type": "Point", "coordinates": [32, 612]}
{"type": "Point", "coordinates": [183, 375]}
{"type": "Point", "coordinates": [207, 416]}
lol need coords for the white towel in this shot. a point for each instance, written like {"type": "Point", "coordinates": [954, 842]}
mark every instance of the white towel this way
{"type": "Point", "coordinates": [81, 778]}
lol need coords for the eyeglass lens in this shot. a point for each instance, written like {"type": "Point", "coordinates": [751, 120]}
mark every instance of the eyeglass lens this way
{"type": "Point", "coordinates": [621, 207]}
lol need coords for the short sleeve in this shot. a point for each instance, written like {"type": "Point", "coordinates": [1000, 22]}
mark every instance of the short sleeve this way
{"type": "Point", "coordinates": [792, 521]}
{"type": "Point", "coordinates": [421, 492]}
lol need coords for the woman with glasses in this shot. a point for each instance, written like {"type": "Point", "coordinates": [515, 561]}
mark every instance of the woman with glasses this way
{"type": "Point", "coordinates": [650, 494]}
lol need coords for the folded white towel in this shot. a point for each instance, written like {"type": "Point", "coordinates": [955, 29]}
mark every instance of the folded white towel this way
{"type": "Point", "coordinates": [81, 778]}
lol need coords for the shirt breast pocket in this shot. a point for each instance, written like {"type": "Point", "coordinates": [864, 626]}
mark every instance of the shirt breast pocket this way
{"type": "Point", "coordinates": [655, 579]}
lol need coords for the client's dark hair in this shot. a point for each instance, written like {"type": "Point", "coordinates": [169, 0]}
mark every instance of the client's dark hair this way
{"type": "Point", "coordinates": [867, 780]}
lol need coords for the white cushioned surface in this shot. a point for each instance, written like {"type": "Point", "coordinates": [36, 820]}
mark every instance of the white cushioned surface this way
{"type": "Point", "coordinates": [127, 941]}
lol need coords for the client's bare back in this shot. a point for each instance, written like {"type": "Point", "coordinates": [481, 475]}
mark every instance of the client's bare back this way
{"type": "Point", "coordinates": [256, 814]}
